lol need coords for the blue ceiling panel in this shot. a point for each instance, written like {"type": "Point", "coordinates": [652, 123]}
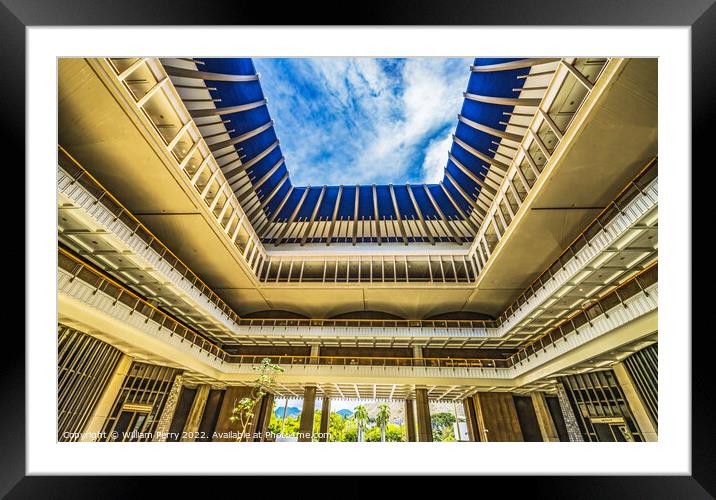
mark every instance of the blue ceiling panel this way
{"type": "Point", "coordinates": [405, 204]}
{"type": "Point", "coordinates": [467, 184]}
{"type": "Point", "coordinates": [233, 94]}
{"type": "Point", "coordinates": [272, 205]}
{"type": "Point", "coordinates": [227, 66]}
{"type": "Point", "coordinates": [309, 204]}
{"type": "Point", "coordinates": [495, 83]}
{"type": "Point", "coordinates": [258, 169]}
{"type": "Point", "coordinates": [246, 121]}
{"type": "Point", "coordinates": [486, 61]}
{"type": "Point", "coordinates": [426, 206]}
{"type": "Point", "coordinates": [447, 208]}
{"type": "Point", "coordinates": [467, 159]}
{"type": "Point", "coordinates": [385, 203]}
{"type": "Point", "coordinates": [290, 205]}
{"type": "Point", "coordinates": [325, 211]}
{"type": "Point", "coordinates": [257, 144]}
{"type": "Point", "coordinates": [346, 209]}
{"type": "Point", "coordinates": [365, 203]}
{"type": "Point", "coordinates": [459, 200]}
{"type": "Point", "coordinates": [485, 83]}
{"type": "Point", "coordinates": [271, 182]}
{"type": "Point", "coordinates": [485, 113]}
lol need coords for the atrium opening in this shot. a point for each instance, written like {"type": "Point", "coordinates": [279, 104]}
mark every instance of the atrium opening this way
{"type": "Point", "coordinates": [357, 250]}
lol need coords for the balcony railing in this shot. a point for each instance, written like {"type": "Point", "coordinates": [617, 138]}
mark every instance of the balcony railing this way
{"type": "Point", "coordinates": [289, 360]}
{"type": "Point", "coordinates": [636, 186]}
{"type": "Point", "coordinates": [616, 297]}
{"type": "Point", "coordinates": [79, 269]}
{"type": "Point", "coordinates": [81, 176]}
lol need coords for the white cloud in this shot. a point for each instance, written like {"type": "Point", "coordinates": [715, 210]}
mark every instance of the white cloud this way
{"type": "Point", "coordinates": [358, 123]}
{"type": "Point", "coordinates": [430, 100]}
{"type": "Point", "coordinates": [436, 159]}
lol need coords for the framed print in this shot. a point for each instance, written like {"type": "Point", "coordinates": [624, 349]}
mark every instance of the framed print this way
{"type": "Point", "coordinates": [425, 243]}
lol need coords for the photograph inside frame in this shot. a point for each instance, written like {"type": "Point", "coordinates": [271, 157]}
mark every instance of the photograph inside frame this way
{"type": "Point", "coordinates": [354, 249]}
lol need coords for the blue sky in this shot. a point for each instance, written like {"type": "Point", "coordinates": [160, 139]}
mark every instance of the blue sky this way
{"type": "Point", "coordinates": [364, 120]}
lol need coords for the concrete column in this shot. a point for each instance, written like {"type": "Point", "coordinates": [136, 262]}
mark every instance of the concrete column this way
{"type": "Point", "coordinates": [325, 419]}
{"type": "Point", "coordinates": [422, 410]}
{"type": "Point", "coordinates": [544, 418]}
{"type": "Point", "coordinates": [197, 410]}
{"type": "Point", "coordinates": [481, 430]}
{"type": "Point", "coordinates": [418, 353]}
{"type": "Point", "coordinates": [570, 419]}
{"type": "Point", "coordinates": [471, 419]}
{"type": "Point", "coordinates": [315, 351]}
{"type": "Point", "coordinates": [410, 420]}
{"type": "Point", "coordinates": [255, 423]}
{"type": "Point", "coordinates": [636, 405]}
{"type": "Point", "coordinates": [306, 424]}
{"type": "Point", "coordinates": [497, 417]}
{"type": "Point", "coordinates": [165, 420]}
{"type": "Point", "coordinates": [102, 409]}
{"type": "Point", "coordinates": [225, 429]}
{"type": "Point", "coordinates": [264, 418]}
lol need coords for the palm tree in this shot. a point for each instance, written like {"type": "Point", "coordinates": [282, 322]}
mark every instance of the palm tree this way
{"type": "Point", "coordinates": [361, 417]}
{"type": "Point", "coordinates": [382, 419]}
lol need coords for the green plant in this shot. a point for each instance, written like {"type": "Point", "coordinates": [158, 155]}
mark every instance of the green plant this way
{"type": "Point", "coordinates": [441, 424]}
{"type": "Point", "coordinates": [278, 426]}
{"type": "Point", "coordinates": [336, 427]}
{"type": "Point", "coordinates": [441, 420]}
{"type": "Point", "coordinates": [243, 411]}
{"type": "Point", "coordinates": [447, 434]}
{"type": "Point", "coordinates": [350, 433]}
{"type": "Point", "coordinates": [361, 418]}
{"type": "Point", "coordinates": [382, 419]}
{"type": "Point", "coordinates": [393, 434]}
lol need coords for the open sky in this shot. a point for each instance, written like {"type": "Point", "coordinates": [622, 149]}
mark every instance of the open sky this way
{"type": "Point", "coordinates": [364, 120]}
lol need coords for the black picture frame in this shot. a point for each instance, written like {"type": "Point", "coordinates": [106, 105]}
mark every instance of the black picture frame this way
{"type": "Point", "coordinates": [700, 15]}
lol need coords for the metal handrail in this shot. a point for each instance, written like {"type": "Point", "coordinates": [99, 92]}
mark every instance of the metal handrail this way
{"type": "Point", "coordinates": [587, 314]}
{"type": "Point", "coordinates": [135, 301]}
{"type": "Point", "coordinates": [152, 312]}
{"type": "Point", "coordinates": [603, 218]}
{"type": "Point", "coordinates": [434, 362]}
{"type": "Point", "coordinates": [363, 323]}
{"type": "Point", "coordinates": [649, 171]}
{"type": "Point", "coordinates": [85, 178]}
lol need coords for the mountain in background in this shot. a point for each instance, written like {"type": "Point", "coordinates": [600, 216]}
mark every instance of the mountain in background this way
{"type": "Point", "coordinates": [291, 411]}
{"type": "Point", "coordinates": [397, 410]}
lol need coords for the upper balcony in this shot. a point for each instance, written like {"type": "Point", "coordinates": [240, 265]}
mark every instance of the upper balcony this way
{"type": "Point", "coordinates": [94, 302]}
{"type": "Point", "coordinates": [197, 214]}
{"type": "Point", "coordinates": [96, 226]}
